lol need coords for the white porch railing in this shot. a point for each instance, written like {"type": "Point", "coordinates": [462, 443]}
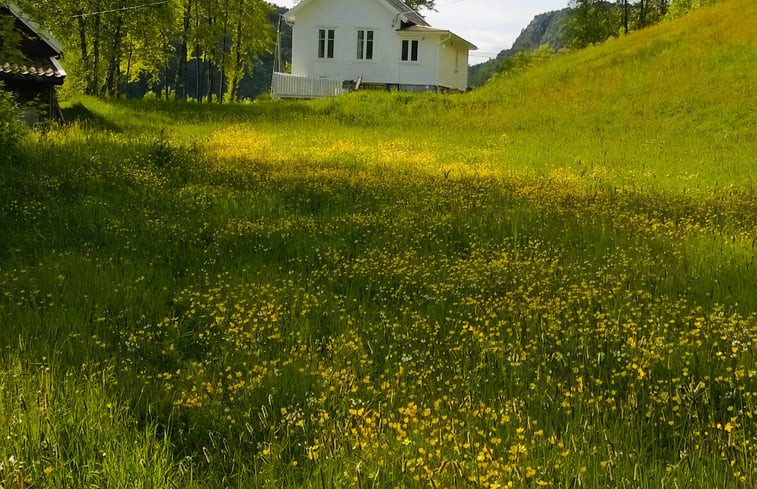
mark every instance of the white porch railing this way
{"type": "Point", "coordinates": [290, 86]}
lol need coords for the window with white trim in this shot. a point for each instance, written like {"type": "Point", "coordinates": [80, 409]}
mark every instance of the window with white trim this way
{"type": "Point", "coordinates": [364, 44]}
{"type": "Point", "coordinates": [326, 43]}
{"type": "Point", "coordinates": [410, 49]}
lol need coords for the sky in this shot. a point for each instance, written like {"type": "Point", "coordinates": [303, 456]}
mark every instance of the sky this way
{"type": "Point", "coordinates": [492, 25]}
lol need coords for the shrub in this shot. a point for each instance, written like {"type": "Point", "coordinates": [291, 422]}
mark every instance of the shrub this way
{"type": "Point", "coordinates": [523, 60]}
{"type": "Point", "coordinates": [10, 127]}
{"type": "Point", "coordinates": [680, 7]}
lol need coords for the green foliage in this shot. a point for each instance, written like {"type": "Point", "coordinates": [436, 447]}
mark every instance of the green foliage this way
{"type": "Point", "coordinates": [592, 22]}
{"type": "Point", "coordinates": [524, 60]}
{"type": "Point", "coordinates": [680, 7]}
{"type": "Point", "coordinates": [10, 127]}
{"type": "Point", "coordinates": [65, 431]}
{"type": "Point", "coordinates": [419, 4]}
{"type": "Point", "coordinates": [251, 36]}
{"type": "Point", "coordinates": [480, 73]}
{"type": "Point", "coordinates": [549, 28]}
{"type": "Point", "coordinates": [110, 43]}
{"type": "Point", "coordinates": [10, 38]}
{"type": "Point", "coordinates": [545, 282]}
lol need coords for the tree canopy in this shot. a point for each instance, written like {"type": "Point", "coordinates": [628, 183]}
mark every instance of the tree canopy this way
{"type": "Point", "coordinates": [419, 4]}
{"type": "Point", "coordinates": [593, 21]}
{"type": "Point", "coordinates": [113, 42]}
{"type": "Point", "coordinates": [9, 39]}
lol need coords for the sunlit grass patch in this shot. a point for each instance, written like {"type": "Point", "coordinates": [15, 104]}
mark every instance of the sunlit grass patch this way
{"type": "Point", "coordinates": [546, 283]}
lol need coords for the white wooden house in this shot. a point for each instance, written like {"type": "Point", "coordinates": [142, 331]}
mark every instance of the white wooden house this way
{"type": "Point", "coordinates": [339, 43]}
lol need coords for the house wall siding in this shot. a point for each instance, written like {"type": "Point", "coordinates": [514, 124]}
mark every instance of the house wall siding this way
{"type": "Point", "coordinates": [346, 17]}
{"type": "Point", "coordinates": [422, 72]}
{"type": "Point", "coordinates": [453, 64]}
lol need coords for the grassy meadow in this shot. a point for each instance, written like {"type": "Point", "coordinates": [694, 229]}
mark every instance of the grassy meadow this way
{"type": "Point", "coordinates": [547, 282]}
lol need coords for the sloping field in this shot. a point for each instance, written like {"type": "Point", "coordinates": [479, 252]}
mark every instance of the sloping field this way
{"type": "Point", "coordinates": [548, 282]}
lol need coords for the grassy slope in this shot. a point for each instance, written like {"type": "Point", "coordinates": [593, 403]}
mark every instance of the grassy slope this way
{"type": "Point", "coordinates": [550, 280]}
{"type": "Point", "coordinates": [671, 106]}
{"type": "Point", "coordinates": [651, 100]}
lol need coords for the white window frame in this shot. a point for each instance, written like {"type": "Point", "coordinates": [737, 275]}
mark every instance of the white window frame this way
{"type": "Point", "coordinates": [368, 38]}
{"type": "Point", "coordinates": [409, 53]}
{"type": "Point", "coordinates": [325, 38]}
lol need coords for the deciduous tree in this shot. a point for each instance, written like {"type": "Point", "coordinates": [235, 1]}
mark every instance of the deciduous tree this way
{"type": "Point", "coordinates": [592, 21]}
{"type": "Point", "coordinates": [419, 4]}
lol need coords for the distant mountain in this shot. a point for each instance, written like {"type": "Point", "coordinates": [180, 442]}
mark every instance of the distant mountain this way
{"type": "Point", "coordinates": [550, 28]}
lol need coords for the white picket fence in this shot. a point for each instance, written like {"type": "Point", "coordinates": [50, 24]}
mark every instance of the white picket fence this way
{"type": "Point", "coordinates": [290, 86]}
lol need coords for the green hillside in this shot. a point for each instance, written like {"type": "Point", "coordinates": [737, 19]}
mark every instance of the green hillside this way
{"type": "Point", "coordinates": [670, 102]}
{"type": "Point", "coordinates": [547, 282]}
{"type": "Point", "coordinates": [672, 105]}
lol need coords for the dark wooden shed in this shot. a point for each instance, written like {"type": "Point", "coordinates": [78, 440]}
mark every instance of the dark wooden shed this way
{"type": "Point", "coordinates": [33, 71]}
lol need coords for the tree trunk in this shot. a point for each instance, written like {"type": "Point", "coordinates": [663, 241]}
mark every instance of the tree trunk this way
{"type": "Point", "coordinates": [201, 75]}
{"type": "Point", "coordinates": [211, 81]}
{"type": "Point", "coordinates": [237, 52]}
{"type": "Point", "coordinates": [165, 75]}
{"type": "Point", "coordinates": [643, 13]}
{"type": "Point", "coordinates": [114, 66]}
{"type": "Point", "coordinates": [211, 61]}
{"type": "Point", "coordinates": [84, 53]}
{"type": "Point", "coordinates": [208, 67]}
{"type": "Point", "coordinates": [181, 70]}
{"type": "Point", "coordinates": [224, 47]}
{"type": "Point", "coordinates": [198, 74]}
{"type": "Point", "coordinates": [95, 79]}
{"type": "Point", "coordinates": [197, 52]}
{"type": "Point", "coordinates": [128, 62]}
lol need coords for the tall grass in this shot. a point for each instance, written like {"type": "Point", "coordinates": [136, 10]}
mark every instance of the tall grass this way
{"type": "Point", "coordinates": [547, 282]}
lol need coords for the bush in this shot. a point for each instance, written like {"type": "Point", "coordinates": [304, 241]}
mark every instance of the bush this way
{"type": "Point", "coordinates": [523, 60]}
{"type": "Point", "coordinates": [10, 127]}
{"type": "Point", "coordinates": [680, 7]}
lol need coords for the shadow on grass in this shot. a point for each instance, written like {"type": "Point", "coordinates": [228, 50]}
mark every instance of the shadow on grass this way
{"type": "Point", "coordinates": [81, 114]}
{"type": "Point", "coordinates": [193, 112]}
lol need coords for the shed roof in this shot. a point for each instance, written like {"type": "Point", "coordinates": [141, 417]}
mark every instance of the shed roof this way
{"type": "Point", "coordinates": [37, 69]}
{"type": "Point", "coordinates": [43, 35]}
{"type": "Point", "coordinates": [38, 51]}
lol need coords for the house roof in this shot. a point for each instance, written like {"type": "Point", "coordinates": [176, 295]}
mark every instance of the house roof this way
{"type": "Point", "coordinates": [432, 30]}
{"type": "Point", "coordinates": [400, 8]}
{"type": "Point", "coordinates": [412, 16]}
